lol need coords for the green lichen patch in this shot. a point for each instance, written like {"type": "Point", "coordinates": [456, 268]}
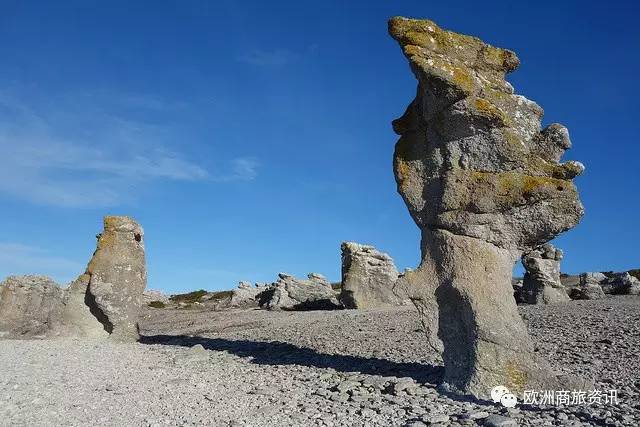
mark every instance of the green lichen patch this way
{"type": "Point", "coordinates": [487, 109]}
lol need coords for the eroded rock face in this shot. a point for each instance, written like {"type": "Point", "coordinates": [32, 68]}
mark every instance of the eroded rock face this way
{"type": "Point", "coordinates": [589, 287]}
{"type": "Point", "coordinates": [542, 278]}
{"type": "Point", "coordinates": [246, 295]}
{"type": "Point", "coordinates": [118, 275]}
{"type": "Point", "coordinates": [368, 277]}
{"type": "Point", "coordinates": [290, 293]}
{"type": "Point", "coordinates": [319, 278]}
{"type": "Point", "coordinates": [620, 284]}
{"type": "Point", "coordinates": [102, 302]}
{"type": "Point", "coordinates": [152, 295]}
{"type": "Point", "coordinates": [484, 183]}
{"type": "Point", "coordinates": [30, 306]}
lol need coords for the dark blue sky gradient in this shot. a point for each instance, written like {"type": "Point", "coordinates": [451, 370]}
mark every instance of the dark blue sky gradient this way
{"type": "Point", "coordinates": [253, 137]}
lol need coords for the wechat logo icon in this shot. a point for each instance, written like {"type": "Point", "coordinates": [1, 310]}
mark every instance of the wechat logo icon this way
{"type": "Point", "coordinates": [501, 394]}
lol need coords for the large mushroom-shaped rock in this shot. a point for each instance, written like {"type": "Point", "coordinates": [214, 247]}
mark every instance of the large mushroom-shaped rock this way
{"type": "Point", "coordinates": [30, 306]}
{"type": "Point", "coordinates": [290, 293]}
{"type": "Point", "coordinates": [368, 277]}
{"type": "Point", "coordinates": [108, 296]}
{"type": "Point", "coordinates": [542, 277]}
{"type": "Point", "coordinates": [484, 183]}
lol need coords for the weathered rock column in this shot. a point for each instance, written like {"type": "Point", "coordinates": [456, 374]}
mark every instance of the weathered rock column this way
{"type": "Point", "coordinates": [542, 277]}
{"type": "Point", "coordinates": [110, 291]}
{"type": "Point", "coordinates": [368, 277]}
{"type": "Point", "coordinates": [483, 182]}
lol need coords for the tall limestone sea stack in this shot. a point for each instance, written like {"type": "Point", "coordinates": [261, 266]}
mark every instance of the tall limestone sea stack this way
{"type": "Point", "coordinates": [484, 183]}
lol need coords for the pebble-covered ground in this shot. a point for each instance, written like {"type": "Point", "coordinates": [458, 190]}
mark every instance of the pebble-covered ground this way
{"type": "Point", "coordinates": [332, 368]}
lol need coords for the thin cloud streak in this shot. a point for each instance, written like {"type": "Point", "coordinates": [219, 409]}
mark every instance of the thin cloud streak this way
{"type": "Point", "coordinates": [100, 160]}
{"type": "Point", "coordinates": [18, 259]}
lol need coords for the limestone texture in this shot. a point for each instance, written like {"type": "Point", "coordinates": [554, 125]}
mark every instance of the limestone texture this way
{"type": "Point", "coordinates": [152, 295]}
{"type": "Point", "coordinates": [589, 287]}
{"type": "Point", "coordinates": [319, 278]}
{"type": "Point", "coordinates": [30, 306]}
{"type": "Point", "coordinates": [116, 277]}
{"type": "Point", "coordinates": [542, 277]}
{"type": "Point", "coordinates": [620, 284]}
{"type": "Point", "coordinates": [368, 277]}
{"type": "Point", "coordinates": [290, 293]}
{"type": "Point", "coordinates": [102, 302]}
{"type": "Point", "coordinates": [246, 295]}
{"type": "Point", "coordinates": [484, 183]}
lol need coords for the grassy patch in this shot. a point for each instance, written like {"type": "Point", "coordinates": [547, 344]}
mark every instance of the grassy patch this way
{"type": "Point", "coordinates": [157, 304]}
{"type": "Point", "coordinates": [191, 297]}
{"type": "Point", "coordinates": [220, 296]}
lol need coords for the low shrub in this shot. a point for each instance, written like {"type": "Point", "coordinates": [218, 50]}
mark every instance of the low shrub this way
{"type": "Point", "coordinates": [157, 304]}
{"type": "Point", "coordinates": [190, 297]}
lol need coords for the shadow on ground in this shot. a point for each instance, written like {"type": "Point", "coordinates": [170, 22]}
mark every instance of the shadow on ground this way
{"type": "Point", "coordinates": [280, 353]}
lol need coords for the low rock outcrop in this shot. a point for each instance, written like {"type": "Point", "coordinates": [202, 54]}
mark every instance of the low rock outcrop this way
{"type": "Point", "coordinates": [30, 306]}
{"type": "Point", "coordinates": [589, 287]}
{"type": "Point", "coordinates": [319, 278]}
{"type": "Point", "coordinates": [368, 277]}
{"type": "Point", "coordinates": [247, 295]}
{"type": "Point", "coordinates": [290, 293]}
{"type": "Point", "coordinates": [484, 183]}
{"type": "Point", "coordinates": [152, 295]}
{"type": "Point", "coordinates": [542, 277]}
{"type": "Point", "coordinates": [620, 284]}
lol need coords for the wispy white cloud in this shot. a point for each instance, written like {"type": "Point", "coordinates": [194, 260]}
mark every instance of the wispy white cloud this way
{"type": "Point", "coordinates": [242, 169]}
{"type": "Point", "coordinates": [77, 157]}
{"type": "Point", "coordinates": [267, 58]}
{"type": "Point", "coordinates": [17, 259]}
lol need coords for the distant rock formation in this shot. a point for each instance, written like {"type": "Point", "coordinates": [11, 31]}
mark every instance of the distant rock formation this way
{"type": "Point", "coordinates": [289, 293]}
{"type": "Point", "coordinates": [103, 301]}
{"type": "Point", "coordinates": [518, 291]}
{"type": "Point", "coordinates": [368, 277]}
{"type": "Point", "coordinates": [620, 284]}
{"type": "Point", "coordinates": [152, 295]}
{"type": "Point", "coordinates": [319, 278]}
{"type": "Point", "coordinates": [246, 295]}
{"type": "Point", "coordinates": [542, 278]}
{"type": "Point", "coordinates": [589, 287]}
{"type": "Point", "coordinates": [30, 306]}
{"type": "Point", "coordinates": [484, 183]}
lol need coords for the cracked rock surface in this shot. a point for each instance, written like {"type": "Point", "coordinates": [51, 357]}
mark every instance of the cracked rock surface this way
{"type": "Point", "coordinates": [368, 277]}
{"type": "Point", "coordinates": [484, 183]}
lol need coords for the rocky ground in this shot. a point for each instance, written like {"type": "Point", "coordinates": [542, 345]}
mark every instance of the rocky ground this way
{"type": "Point", "coordinates": [321, 368]}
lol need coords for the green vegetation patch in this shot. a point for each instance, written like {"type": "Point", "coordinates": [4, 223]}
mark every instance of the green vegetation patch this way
{"type": "Point", "coordinates": [191, 297]}
{"type": "Point", "coordinates": [220, 296]}
{"type": "Point", "coordinates": [157, 304]}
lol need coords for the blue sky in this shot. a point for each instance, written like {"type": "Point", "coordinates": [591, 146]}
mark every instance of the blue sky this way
{"type": "Point", "coordinates": [253, 137]}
